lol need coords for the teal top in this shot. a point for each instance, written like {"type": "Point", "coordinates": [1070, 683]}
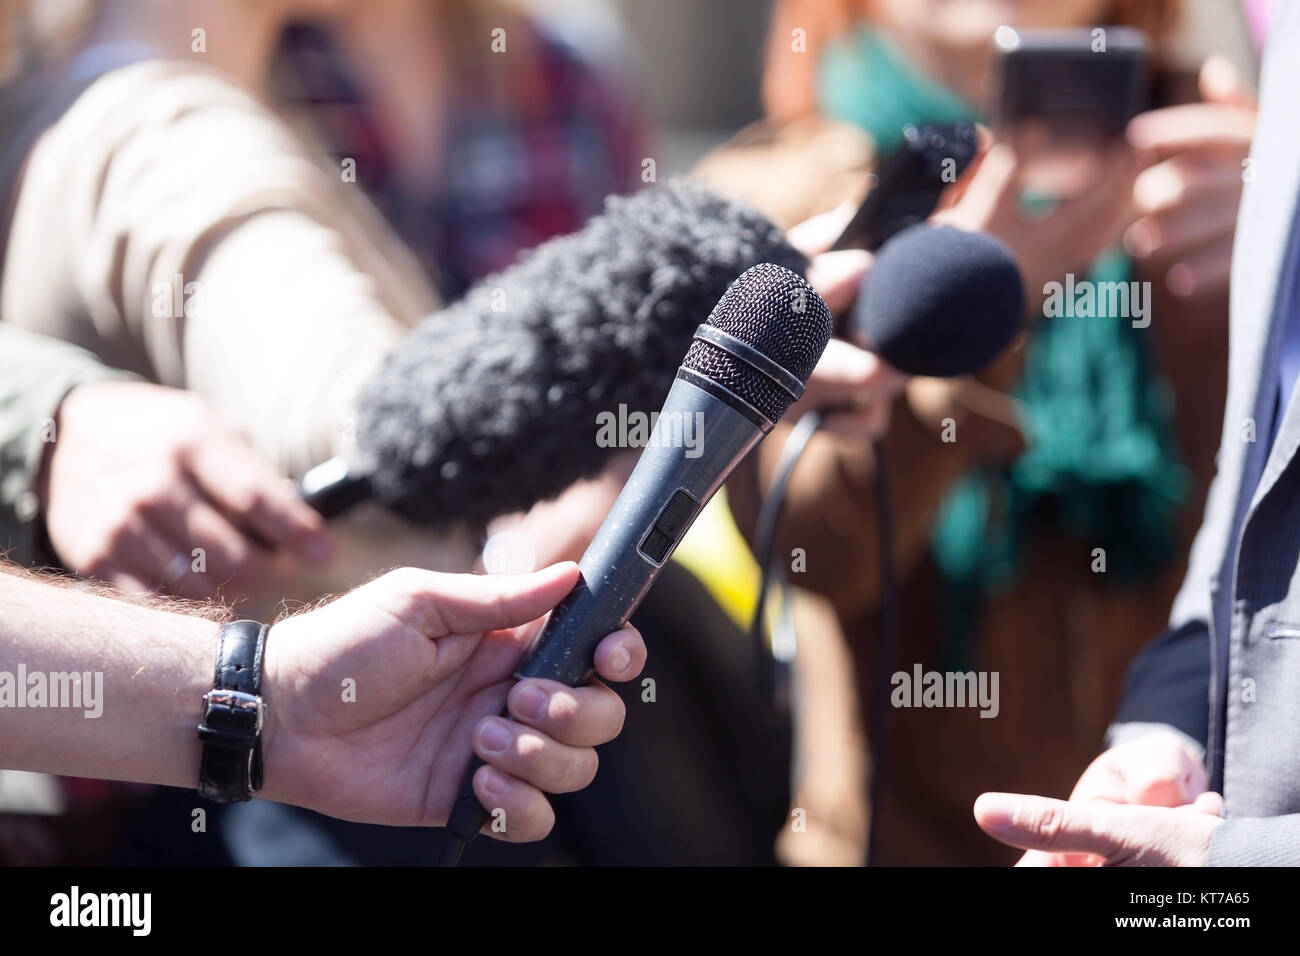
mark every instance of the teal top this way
{"type": "Point", "coordinates": [1101, 466]}
{"type": "Point", "coordinates": [867, 81]}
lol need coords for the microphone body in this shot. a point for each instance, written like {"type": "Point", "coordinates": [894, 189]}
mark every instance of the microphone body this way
{"type": "Point", "coordinates": [658, 504]}
{"type": "Point", "coordinates": [334, 486]}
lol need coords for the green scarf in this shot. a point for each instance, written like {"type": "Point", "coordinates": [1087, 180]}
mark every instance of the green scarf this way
{"type": "Point", "coordinates": [1101, 468]}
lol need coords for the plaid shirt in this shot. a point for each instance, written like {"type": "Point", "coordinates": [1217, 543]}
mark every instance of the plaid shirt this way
{"type": "Point", "coordinates": [515, 174]}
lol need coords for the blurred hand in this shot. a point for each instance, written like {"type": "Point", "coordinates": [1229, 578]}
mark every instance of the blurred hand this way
{"type": "Point", "coordinates": [836, 276]}
{"type": "Point", "coordinates": [559, 529]}
{"type": "Point", "coordinates": [1156, 770]}
{"type": "Point", "coordinates": [1187, 199]}
{"type": "Point", "coordinates": [857, 387]}
{"type": "Point", "coordinates": [139, 476]}
{"type": "Point", "coordinates": [1114, 834]}
{"type": "Point", "coordinates": [987, 197]}
{"type": "Point", "coordinates": [858, 383]}
{"type": "Point", "coordinates": [431, 657]}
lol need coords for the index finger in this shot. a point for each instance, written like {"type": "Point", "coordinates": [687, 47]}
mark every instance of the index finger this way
{"type": "Point", "coordinates": [247, 490]}
{"type": "Point", "coordinates": [1041, 823]}
{"type": "Point", "coordinates": [845, 368]}
{"type": "Point", "coordinates": [816, 235]}
{"type": "Point", "coordinates": [837, 276]}
{"type": "Point", "coordinates": [1208, 128]}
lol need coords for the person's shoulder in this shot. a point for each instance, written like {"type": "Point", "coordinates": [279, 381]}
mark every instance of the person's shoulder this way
{"type": "Point", "coordinates": [150, 81]}
{"type": "Point", "coordinates": [162, 93]}
{"type": "Point", "coordinates": [174, 135]}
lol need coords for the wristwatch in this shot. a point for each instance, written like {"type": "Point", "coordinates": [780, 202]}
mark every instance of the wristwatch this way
{"type": "Point", "coordinates": [231, 729]}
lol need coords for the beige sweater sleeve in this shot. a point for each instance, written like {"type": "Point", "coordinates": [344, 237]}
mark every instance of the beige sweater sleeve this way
{"type": "Point", "coordinates": [175, 227]}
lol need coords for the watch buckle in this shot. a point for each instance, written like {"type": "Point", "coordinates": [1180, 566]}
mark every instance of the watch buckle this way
{"type": "Point", "coordinates": [236, 701]}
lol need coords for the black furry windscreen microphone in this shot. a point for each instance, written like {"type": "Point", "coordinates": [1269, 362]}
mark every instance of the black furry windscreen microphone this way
{"type": "Point", "coordinates": [491, 405]}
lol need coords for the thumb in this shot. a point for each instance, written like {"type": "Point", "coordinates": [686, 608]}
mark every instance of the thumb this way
{"type": "Point", "coordinates": [1160, 772]}
{"type": "Point", "coordinates": [439, 604]}
{"type": "Point", "coordinates": [987, 191]}
{"type": "Point", "coordinates": [814, 236]}
{"type": "Point", "coordinates": [1209, 802]}
{"type": "Point", "coordinates": [1220, 82]}
{"type": "Point", "coordinates": [844, 365]}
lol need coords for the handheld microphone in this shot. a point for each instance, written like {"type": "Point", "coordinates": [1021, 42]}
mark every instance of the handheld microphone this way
{"type": "Point", "coordinates": [940, 301]}
{"type": "Point", "coordinates": [745, 367]}
{"type": "Point", "coordinates": [486, 407]}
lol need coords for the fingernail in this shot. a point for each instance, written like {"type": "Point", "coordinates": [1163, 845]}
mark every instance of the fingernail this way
{"type": "Point", "coordinates": [530, 702]}
{"type": "Point", "coordinates": [495, 736]}
{"type": "Point", "coordinates": [620, 660]}
{"type": "Point", "coordinates": [494, 782]}
{"type": "Point", "coordinates": [997, 811]}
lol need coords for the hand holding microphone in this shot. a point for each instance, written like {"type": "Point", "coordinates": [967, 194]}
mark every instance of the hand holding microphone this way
{"type": "Point", "coordinates": [937, 301]}
{"type": "Point", "coordinates": [430, 656]}
{"type": "Point", "coordinates": [852, 385]}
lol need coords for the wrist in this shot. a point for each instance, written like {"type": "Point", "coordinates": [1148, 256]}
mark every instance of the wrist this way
{"type": "Point", "coordinates": [274, 696]}
{"type": "Point", "coordinates": [234, 713]}
{"type": "Point", "coordinates": [201, 636]}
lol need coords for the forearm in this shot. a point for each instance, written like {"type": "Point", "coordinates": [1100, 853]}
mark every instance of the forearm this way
{"type": "Point", "coordinates": [291, 330]}
{"type": "Point", "coordinates": [143, 674]}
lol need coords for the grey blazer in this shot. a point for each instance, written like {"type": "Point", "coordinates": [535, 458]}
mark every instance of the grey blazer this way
{"type": "Point", "coordinates": [1238, 613]}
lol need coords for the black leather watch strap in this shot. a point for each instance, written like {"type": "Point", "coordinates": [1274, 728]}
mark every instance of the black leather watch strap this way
{"type": "Point", "coordinates": [231, 768]}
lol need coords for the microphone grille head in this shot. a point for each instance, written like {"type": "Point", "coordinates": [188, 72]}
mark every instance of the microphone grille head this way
{"type": "Point", "coordinates": [776, 312]}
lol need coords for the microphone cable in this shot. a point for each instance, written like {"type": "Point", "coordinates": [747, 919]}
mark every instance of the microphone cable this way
{"type": "Point", "coordinates": [774, 661]}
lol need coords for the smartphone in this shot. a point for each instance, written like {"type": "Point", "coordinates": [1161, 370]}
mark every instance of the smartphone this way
{"type": "Point", "coordinates": [1063, 95]}
{"type": "Point", "coordinates": [908, 181]}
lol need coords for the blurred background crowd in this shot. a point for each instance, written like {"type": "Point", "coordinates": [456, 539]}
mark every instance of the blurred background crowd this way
{"type": "Point", "coordinates": [330, 172]}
